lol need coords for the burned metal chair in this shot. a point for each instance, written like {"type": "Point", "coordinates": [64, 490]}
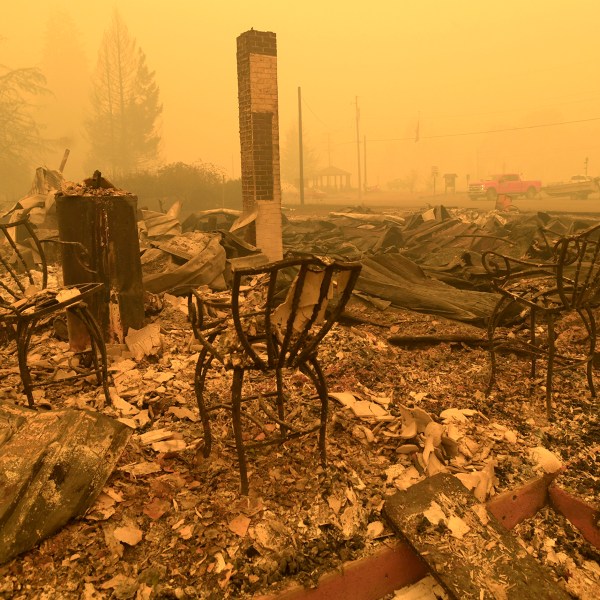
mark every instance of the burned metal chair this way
{"type": "Point", "coordinates": [272, 321]}
{"type": "Point", "coordinates": [545, 291]}
{"type": "Point", "coordinates": [27, 305]}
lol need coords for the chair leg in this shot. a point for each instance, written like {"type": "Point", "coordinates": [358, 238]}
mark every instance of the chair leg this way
{"type": "Point", "coordinates": [202, 367]}
{"type": "Point", "coordinates": [320, 383]}
{"type": "Point", "coordinates": [23, 336]}
{"type": "Point", "coordinates": [98, 347]}
{"type": "Point", "coordinates": [281, 402]}
{"type": "Point", "coordinates": [551, 352]}
{"type": "Point", "coordinates": [493, 322]}
{"type": "Point", "coordinates": [236, 405]}
{"type": "Point", "coordinates": [587, 316]}
{"type": "Point", "coordinates": [532, 340]}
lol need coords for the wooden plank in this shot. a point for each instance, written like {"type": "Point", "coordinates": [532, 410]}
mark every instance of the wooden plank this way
{"type": "Point", "coordinates": [486, 562]}
{"type": "Point", "coordinates": [52, 467]}
{"type": "Point", "coordinates": [368, 578]}
{"type": "Point", "coordinates": [514, 506]}
{"type": "Point", "coordinates": [584, 516]}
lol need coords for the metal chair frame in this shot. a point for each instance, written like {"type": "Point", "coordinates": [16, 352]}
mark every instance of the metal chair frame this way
{"type": "Point", "coordinates": [285, 345]}
{"type": "Point", "coordinates": [22, 314]}
{"type": "Point", "coordinates": [570, 281]}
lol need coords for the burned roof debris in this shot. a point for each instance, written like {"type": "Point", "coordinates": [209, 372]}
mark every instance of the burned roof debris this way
{"type": "Point", "coordinates": [399, 415]}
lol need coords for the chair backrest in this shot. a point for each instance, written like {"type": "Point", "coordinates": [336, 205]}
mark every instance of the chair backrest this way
{"type": "Point", "coordinates": [23, 260]}
{"type": "Point", "coordinates": [578, 268]}
{"type": "Point", "coordinates": [290, 307]}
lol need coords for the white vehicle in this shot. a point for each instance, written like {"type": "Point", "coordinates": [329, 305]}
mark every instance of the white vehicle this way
{"type": "Point", "coordinates": [579, 187]}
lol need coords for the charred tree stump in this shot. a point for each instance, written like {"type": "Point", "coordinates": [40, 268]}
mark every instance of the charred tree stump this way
{"type": "Point", "coordinates": [104, 221]}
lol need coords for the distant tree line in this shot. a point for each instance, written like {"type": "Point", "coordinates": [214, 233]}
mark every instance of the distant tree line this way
{"type": "Point", "coordinates": [199, 186]}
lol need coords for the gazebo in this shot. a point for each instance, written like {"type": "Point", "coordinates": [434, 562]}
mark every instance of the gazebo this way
{"type": "Point", "coordinates": [331, 178]}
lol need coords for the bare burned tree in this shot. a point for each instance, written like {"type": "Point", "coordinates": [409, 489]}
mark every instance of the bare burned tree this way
{"type": "Point", "coordinates": [123, 128]}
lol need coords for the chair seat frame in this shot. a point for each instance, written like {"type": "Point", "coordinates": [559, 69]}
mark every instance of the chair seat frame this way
{"type": "Point", "coordinates": [283, 347]}
{"type": "Point", "coordinates": [569, 282]}
{"type": "Point", "coordinates": [22, 314]}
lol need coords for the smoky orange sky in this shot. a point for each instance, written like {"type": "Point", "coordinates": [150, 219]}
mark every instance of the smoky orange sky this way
{"type": "Point", "coordinates": [454, 68]}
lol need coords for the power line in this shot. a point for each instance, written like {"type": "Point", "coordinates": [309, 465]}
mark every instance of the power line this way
{"type": "Point", "coordinates": [517, 109]}
{"type": "Point", "coordinates": [313, 113]}
{"type": "Point", "coordinates": [447, 135]}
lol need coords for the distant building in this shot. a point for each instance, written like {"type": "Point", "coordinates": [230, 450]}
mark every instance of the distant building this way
{"type": "Point", "coordinates": [332, 179]}
{"type": "Point", "coordinates": [450, 182]}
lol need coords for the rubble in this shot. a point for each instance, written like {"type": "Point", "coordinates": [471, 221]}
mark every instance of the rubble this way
{"type": "Point", "coordinates": [192, 259]}
{"type": "Point", "coordinates": [424, 412]}
{"type": "Point", "coordinates": [427, 261]}
{"type": "Point", "coordinates": [189, 511]}
{"type": "Point", "coordinates": [53, 465]}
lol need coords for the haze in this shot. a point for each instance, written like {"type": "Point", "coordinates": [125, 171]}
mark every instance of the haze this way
{"type": "Point", "coordinates": [452, 68]}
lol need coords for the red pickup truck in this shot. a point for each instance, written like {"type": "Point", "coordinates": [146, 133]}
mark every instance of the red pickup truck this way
{"type": "Point", "coordinates": [509, 184]}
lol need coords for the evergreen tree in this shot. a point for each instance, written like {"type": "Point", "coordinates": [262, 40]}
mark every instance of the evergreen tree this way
{"type": "Point", "coordinates": [20, 140]}
{"type": "Point", "coordinates": [123, 128]}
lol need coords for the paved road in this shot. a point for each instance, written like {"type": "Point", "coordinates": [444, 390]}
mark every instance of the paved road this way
{"type": "Point", "coordinates": [404, 201]}
{"type": "Point", "coordinates": [542, 202]}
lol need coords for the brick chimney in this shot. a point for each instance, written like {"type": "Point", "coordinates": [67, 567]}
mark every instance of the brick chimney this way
{"type": "Point", "coordinates": [259, 136]}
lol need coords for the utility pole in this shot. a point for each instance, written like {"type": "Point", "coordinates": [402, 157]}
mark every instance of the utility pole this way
{"type": "Point", "coordinates": [358, 150]}
{"type": "Point", "coordinates": [300, 147]}
{"type": "Point", "coordinates": [223, 192]}
{"type": "Point", "coordinates": [434, 174]}
{"type": "Point", "coordinates": [365, 159]}
{"type": "Point", "coordinates": [585, 165]}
